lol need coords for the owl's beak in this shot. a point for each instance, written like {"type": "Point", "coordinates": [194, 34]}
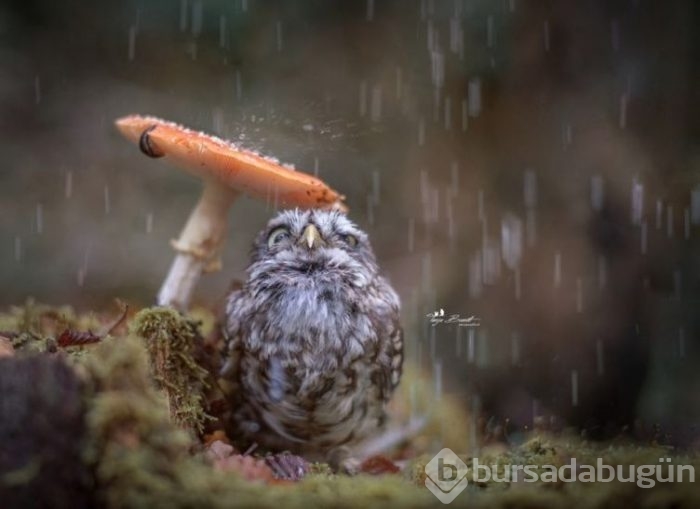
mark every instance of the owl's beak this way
{"type": "Point", "coordinates": [311, 237]}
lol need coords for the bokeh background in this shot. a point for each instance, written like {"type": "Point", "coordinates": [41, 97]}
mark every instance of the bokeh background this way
{"type": "Point", "coordinates": [531, 163]}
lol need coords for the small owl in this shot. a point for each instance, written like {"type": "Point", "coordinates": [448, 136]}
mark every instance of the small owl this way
{"type": "Point", "coordinates": [314, 344]}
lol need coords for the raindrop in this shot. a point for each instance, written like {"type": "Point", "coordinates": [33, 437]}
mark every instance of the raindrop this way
{"type": "Point", "coordinates": [597, 193]}
{"type": "Point", "coordinates": [637, 201]}
{"type": "Point", "coordinates": [149, 222]}
{"type": "Point", "coordinates": [517, 283]}
{"type": "Point", "coordinates": [474, 97]}
{"type": "Point", "coordinates": [18, 249]}
{"type": "Point", "coordinates": [450, 215]}
{"type": "Point", "coordinates": [545, 35]}
{"type": "Point", "coordinates": [107, 200]}
{"type": "Point", "coordinates": [669, 221]}
{"type": "Point", "coordinates": [623, 111]}
{"type": "Point", "coordinates": [437, 375]}
{"type": "Point", "coordinates": [37, 90]}
{"type": "Point", "coordinates": [458, 341]}
{"type": "Point", "coordinates": [530, 188]}
{"type": "Point", "coordinates": [475, 283]}
{"type": "Point", "coordinates": [197, 15]}
{"type": "Point", "coordinates": [363, 98]}
{"type": "Point", "coordinates": [695, 206]}
{"type": "Point", "coordinates": [424, 187]}
{"type": "Point", "coordinates": [370, 10]}
{"type": "Point", "coordinates": [511, 5]}
{"type": "Point", "coordinates": [411, 234]}
{"type": "Point", "coordinates": [643, 237]}
{"type": "Point", "coordinates": [217, 117]}
{"type": "Point", "coordinates": [244, 5]}
{"type": "Point", "coordinates": [492, 261]}
{"type": "Point", "coordinates": [471, 345]}
{"type": "Point", "coordinates": [278, 32]}
{"type": "Point", "coordinates": [69, 185]}
{"type": "Point", "coordinates": [567, 134]}
{"type": "Point", "coordinates": [557, 269]}
{"type": "Point", "coordinates": [438, 68]}
{"type": "Point", "coordinates": [82, 271]}
{"type": "Point", "coordinates": [435, 209]}
{"type": "Point", "coordinates": [132, 42]}
{"type": "Point", "coordinates": [489, 31]}
{"type": "Point", "coordinates": [183, 15]}
{"type": "Point", "coordinates": [574, 388]}
{"type": "Point", "coordinates": [81, 278]}
{"type": "Point", "coordinates": [512, 240]}
{"type": "Point", "coordinates": [376, 107]}
{"type": "Point", "coordinates": [370, 210]}
{"type": "Point", "coordinates": [39, 218]}
{"type": "Point", "coordinates": [600, 359]}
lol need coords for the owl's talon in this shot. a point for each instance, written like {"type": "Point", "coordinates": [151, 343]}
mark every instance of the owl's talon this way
{"type": "Point", "coordinates": [288, 467]}
{"type": "Point", "coordinates": [342, 461]}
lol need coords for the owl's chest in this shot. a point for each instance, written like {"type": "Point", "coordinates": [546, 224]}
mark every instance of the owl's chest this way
{"type": "Point", "coordinates": [295, 404]}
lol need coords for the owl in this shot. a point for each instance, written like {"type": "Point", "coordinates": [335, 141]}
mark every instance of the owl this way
{"type": "Point", "coordinates": [314, 345]}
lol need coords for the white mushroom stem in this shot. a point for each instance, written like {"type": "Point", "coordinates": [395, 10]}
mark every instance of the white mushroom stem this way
{"type": "Point", "coordinates": [199, 246]}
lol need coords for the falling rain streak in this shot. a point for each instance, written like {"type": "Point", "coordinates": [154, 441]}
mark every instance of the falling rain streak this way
{"type": "Point", "coordinates": [637, 202]}
{"type": "Point", "coordinates": [557, 269]}
{"type": "Point", "coordinates": [132, 42]}
{"type": "Point", "coordinates": [39, 218]}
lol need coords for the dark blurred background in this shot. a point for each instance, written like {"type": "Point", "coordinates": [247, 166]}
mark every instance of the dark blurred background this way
{"type": "Point", "coordinates": [532, 163]}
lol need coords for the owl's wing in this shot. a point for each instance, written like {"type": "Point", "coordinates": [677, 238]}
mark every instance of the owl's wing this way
{"type": "Point", "coordinates": [394, 349]}
{"type": "Point", "coordinates": [390, 358]}
{"type": "Point", "coordinates": [236, 308]}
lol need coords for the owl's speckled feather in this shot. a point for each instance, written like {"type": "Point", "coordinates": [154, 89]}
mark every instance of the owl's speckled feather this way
{"type": "Point", "coordinates": [314, 343]}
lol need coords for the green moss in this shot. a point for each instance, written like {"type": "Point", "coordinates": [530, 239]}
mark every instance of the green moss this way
{"type": "Point", "coordinates": [141, 457]}
{"type": "Point", "coordinates": [169, 339]}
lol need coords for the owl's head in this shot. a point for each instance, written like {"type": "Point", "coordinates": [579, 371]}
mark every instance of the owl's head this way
{"type": "Point", "coordinates": [311, 242]}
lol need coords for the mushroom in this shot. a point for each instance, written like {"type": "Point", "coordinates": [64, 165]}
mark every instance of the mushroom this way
{"type": "Point", "coordinates": [226, 171]}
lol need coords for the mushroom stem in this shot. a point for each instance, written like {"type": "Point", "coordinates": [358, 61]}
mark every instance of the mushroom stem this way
{"type": "Point", "coordinates": [199, 246]}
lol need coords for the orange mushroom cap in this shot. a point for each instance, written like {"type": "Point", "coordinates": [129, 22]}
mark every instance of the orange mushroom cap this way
{"type": "Point", "coordinates": [209, 157]}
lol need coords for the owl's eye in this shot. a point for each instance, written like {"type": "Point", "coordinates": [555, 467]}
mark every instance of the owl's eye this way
{"type": "Point", "coordinates": [350, 240]}
{"type": "Point", "coordinates": [277, 235]}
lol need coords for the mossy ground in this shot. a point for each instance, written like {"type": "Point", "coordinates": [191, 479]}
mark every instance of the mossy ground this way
{"type": "Point", "coordinates": [144, 455]}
